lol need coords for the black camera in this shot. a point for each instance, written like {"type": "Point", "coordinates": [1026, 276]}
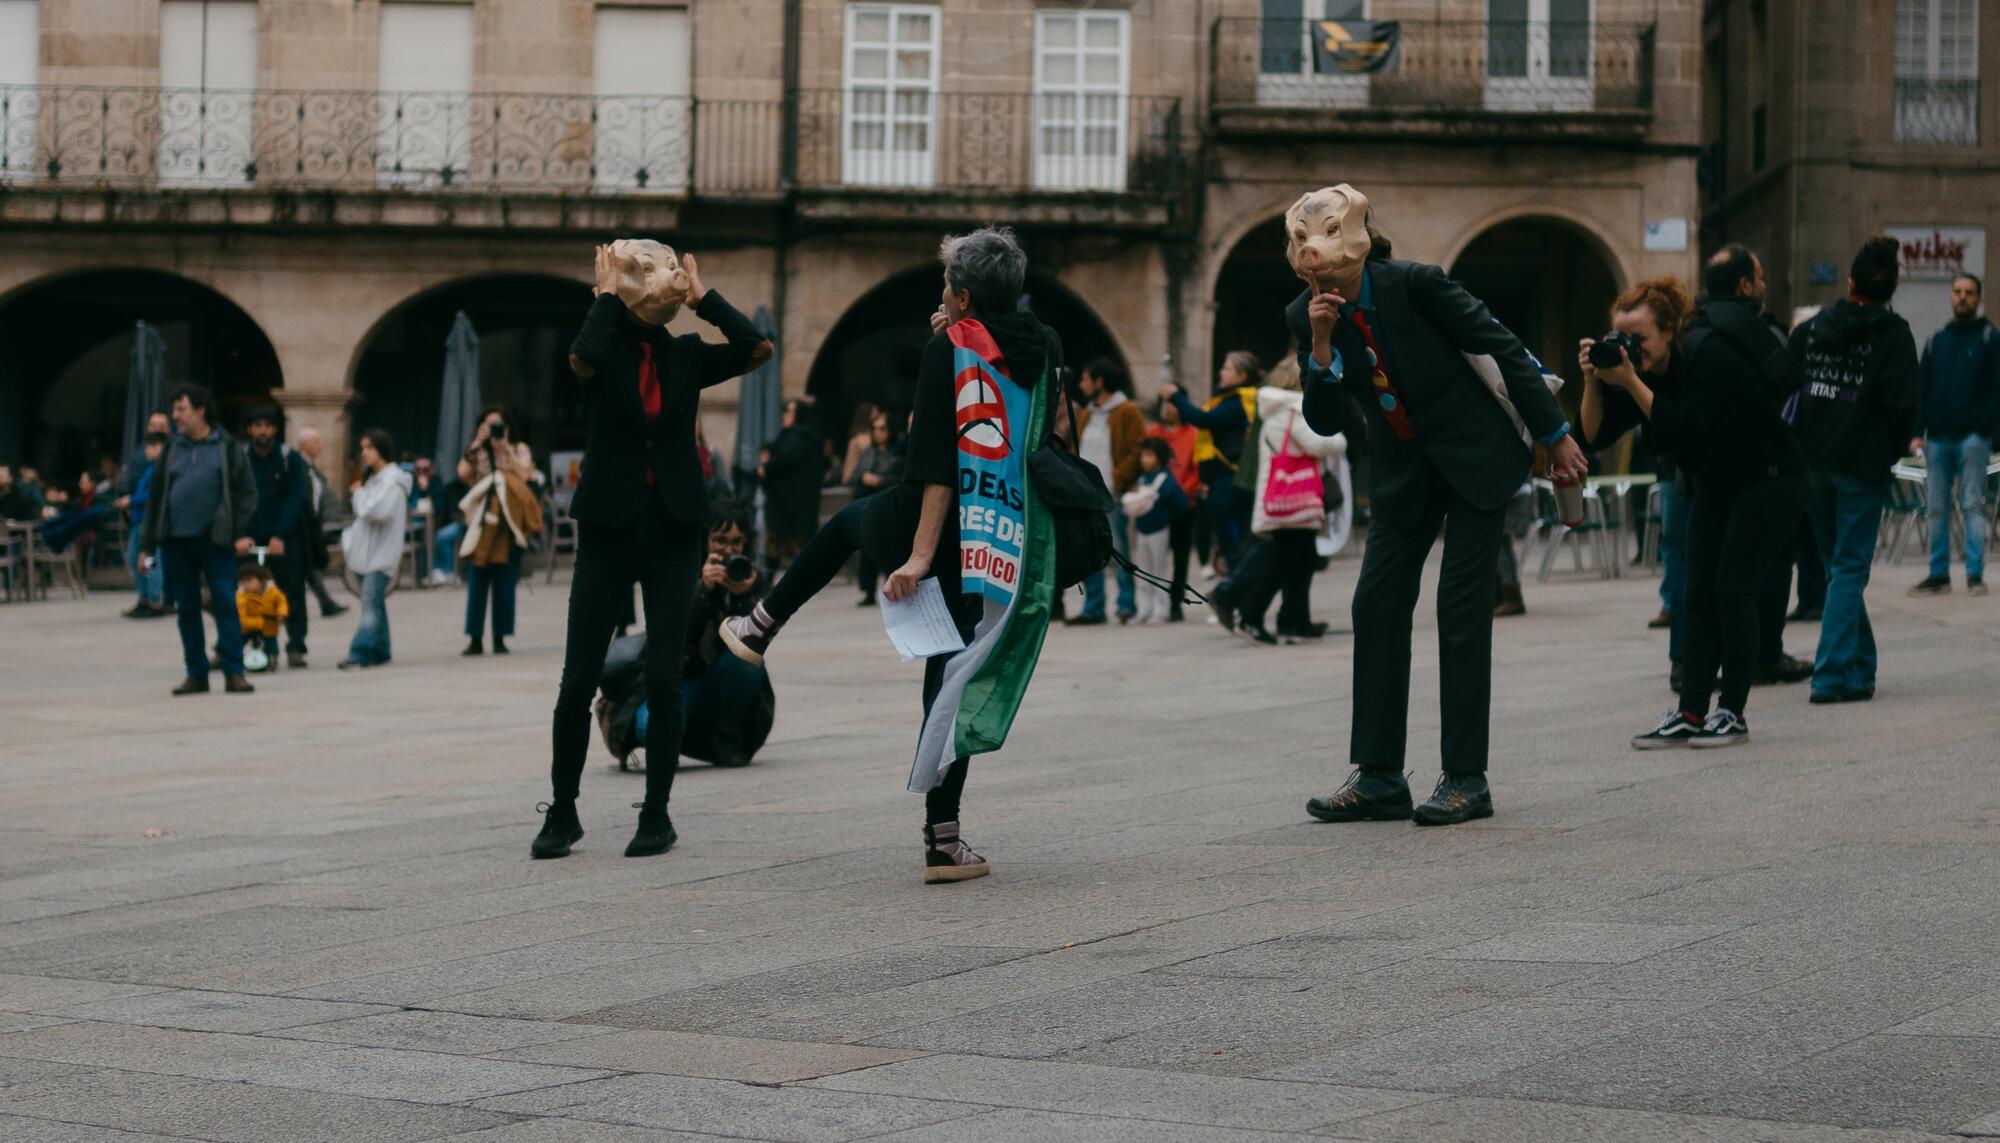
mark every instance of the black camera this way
{"type": "Point", "coordinates": [1604, 352]}
{"type": "Point", "coordinates": [739, 569]}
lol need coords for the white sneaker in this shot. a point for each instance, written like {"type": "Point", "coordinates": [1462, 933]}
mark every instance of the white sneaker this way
{"type": "Point", "coordinates": [1723, 728]}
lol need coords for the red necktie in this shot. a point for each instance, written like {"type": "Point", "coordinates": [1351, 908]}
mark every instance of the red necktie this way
{"type": "Point", "coordinates": [649, 391]}
{"type": "Point", "coordinates": [1386, 396]}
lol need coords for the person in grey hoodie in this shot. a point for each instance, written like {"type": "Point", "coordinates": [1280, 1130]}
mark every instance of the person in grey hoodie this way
{"type": "Point", "coordinates": [1858, 368]}
{"type": "Point", "coordinates": [197, 523]}
{"type": "Point", "coordinates": [1958, 410]}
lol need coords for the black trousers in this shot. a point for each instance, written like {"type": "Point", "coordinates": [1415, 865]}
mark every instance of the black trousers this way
{"type": "Point", "coordinates": [1385, 599]}
{"type": "Point", "coordinates": [1733, 539]}
{"type": "Point", "coordinates": [1180, 538]}
{"type": "Point", "coordinates": [289, 573]}
{"type": "Point", "coordinates": [663, 556]}
{"type": "Point", "coordinates": [1287, 576]}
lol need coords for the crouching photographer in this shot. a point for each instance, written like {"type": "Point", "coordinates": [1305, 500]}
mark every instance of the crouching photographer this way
{"type": "Point", "coordinates": [1710, 392]}
{"type": "Point", "coordinates": [729, 704]}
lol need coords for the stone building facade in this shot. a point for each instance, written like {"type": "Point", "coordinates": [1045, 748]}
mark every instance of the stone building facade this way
{"type": "Point", "coordinates": [303, 193]}
{"type": "Point", "coordinates": [1822, 132]}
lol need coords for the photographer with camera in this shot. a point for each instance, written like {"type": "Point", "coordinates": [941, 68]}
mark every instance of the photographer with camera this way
{"type": "Point", "coordinates": [1708, 391]}
{"type": "Point", "coordinates": [503, 512]}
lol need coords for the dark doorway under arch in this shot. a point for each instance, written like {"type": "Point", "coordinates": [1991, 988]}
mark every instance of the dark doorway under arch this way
{"type": "Point", "coordinates": [1252, 290]}
{"type": "Point", "coordinates": [66, 352]}
{"type": "Point", "coordinates": [1548, 282]}
{"type": "Point", "coordinates": [873, 351]}
{"type": "Point", "coordinates": [525, 324]}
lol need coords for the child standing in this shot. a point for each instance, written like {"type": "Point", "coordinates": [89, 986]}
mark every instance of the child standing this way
{"type": "Point", "coordinates": [1155, 502]}
{"type": "Point", "coordinates": [260, 606]}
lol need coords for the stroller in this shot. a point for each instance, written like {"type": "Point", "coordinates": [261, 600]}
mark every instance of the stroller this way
{"type": "Point", "coordinates": [622, 695]}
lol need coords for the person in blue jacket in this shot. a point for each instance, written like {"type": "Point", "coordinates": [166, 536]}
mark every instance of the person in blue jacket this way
{"type": "Point", "coordinates": [1154, 503]}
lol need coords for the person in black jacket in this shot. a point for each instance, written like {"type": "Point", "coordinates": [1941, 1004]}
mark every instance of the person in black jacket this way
{"type": "Point", "coordinates": [1707, 397]}
{"type": "Point", "coordinates": [1444, 455]}
{"type": "Point", "coordinates": [1958, 413]}
{"type": "Point", "coordinates": [279, 525]}
{"type": "Point", "coordinates": [1856, 402]}
{"type": "Point", "coordinates": [791, 474]}
{"type": "Point", "coordinates": [640, 509]}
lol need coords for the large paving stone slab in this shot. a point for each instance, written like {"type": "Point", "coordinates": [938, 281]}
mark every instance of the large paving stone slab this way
{"type": "Point", "coordinates": [1934, 1082]}
{"type": "Point", "coordinates": [713, 1057]}
{"type": "Point", "coordinates": [451, 1032]}
{"type": "Point", "coordinates": [235, 1112]}
{"type": "Point", "coordinates": [1014, 1124]}
{"type": "Point", "coordinates": [1585, 942]}
{"type": "Point", "coordinates": [1976, 1016]}
{"type": "Point", "coordinates": [215, 1011]}
{"type": "Point", "coordinates": [789, 1114]}
{"type": "Point", "coordinates": [1123, 1093]}
{"type": "Point", "coordinates": [578, 1131]}
{"type": "Point", "coordinates": [42, 993]}
{"type": "Point", "coordinates": [1471, 1120]}
{"type": "Point", "coordinates": [23, 1129]}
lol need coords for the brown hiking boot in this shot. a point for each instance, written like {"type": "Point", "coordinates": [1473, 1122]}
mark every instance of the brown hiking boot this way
{"type": "Point", "coordinates": [193, 685]}
{"type": "Point", "coordinates": [946, 858]}
{"type": "Point", "coordinates": [234, 684]}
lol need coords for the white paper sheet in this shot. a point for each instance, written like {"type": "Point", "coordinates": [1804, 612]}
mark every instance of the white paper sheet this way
{"type": "Point", "coordinates": [921, 626]}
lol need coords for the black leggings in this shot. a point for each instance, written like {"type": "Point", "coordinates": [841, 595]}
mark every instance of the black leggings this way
{"type": "Point", "coordinates": [1180, 535]}
{"type": "Point", "coordinates": [1733, 539]}
{"type": "Point", "coordinates": [664, 557]}
{"type": "Point", "coordinates": [1294, 558]}
{"type": "Point", "coordinates": [881, 527]}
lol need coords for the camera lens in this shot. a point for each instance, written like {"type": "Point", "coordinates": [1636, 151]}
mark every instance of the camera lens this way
{"type": "Point", "coordinates": [739, 568]}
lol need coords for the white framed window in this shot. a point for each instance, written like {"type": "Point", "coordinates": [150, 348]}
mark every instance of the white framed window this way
{"type": "Point", "coordinates": [423, 113]}
{"type": "Point", "coordinates": [1540, 55]}
{"type": "Point", "coordinates": [1937, 72]}
{"type": "Point", "coordinates": [1287, 72]}
{"type": "Point", "coordinates": [642, 141]}
{"type": "Point", "coordinates": [1082, 99]}
{"type": "Point", "coordinates": [889, 101]}
{"type": "Point", "coordinates": [20, 100]}
{"type": "Point", "coordinates": [208, 92]}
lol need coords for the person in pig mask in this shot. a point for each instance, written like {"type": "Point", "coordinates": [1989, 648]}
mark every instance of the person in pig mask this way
{"type": "Point", "coordinates": [1394, 338]}
{"type": "Point", "coordinates": [640, 508]}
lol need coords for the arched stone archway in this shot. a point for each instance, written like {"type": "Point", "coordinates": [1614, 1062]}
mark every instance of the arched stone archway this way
{"type": "Point", "coordinates": [1548, 279]}
{"type": "Point", "coordinates": [872, 352]}
{"type": "Point", "coordinates": [1253, 285]}
{"type": "Point", "coordinates": [65, 356]}
{"type": "Point", "coordinates": [525, 323]}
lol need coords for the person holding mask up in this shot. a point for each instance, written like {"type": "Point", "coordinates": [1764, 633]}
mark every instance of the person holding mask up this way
{"type": "Point", "coordinates": [1712, 399]}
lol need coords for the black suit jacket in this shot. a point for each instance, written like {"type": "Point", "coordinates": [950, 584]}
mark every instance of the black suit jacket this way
{"type": "Point", "coordinates": [1429, 323]}
{"type": "Point", "coordinates": [620, 446]}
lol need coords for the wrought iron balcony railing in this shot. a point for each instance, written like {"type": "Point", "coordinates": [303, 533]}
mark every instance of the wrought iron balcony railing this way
{"type": "Point", "coordinates": [576, 144]}
{"type": "Point", "coordinates": [1432, 67]}
{"type": "Point", "coordinates": [1937, 112]}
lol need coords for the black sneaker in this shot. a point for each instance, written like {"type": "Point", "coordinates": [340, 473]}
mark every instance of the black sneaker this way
{"type": "Point", "coordinates": [1366, 797]}
{"type": "Point", "coordinates": [1256, 634]}
{"type": "Point", "coordinates": [1224, 614]}
{"type": "Point", "coordinates": [1457, 798]}
{"type": "Point", "coordinates": [332, 609]}
{"type": "Point", "coordinates": [1933, 585]}
{"type": "Point", "coordinates": [1676, 728]}
{"type": "Point", "coordinates": [560, 830]}
{"type": "Point", "coordinates": [1308, 632]}
{"type": "Point", "coordinates": [1823, 698]}
{"type": "Point", "coordinates": [656, 832]}
{"type": "Point", "coordinates": [1723, 728]}
{"type": "Point", "coordinates": [745, 639]}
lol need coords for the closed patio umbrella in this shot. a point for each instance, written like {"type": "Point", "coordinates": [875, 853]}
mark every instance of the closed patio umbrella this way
{"type": "Point", "coordinates": [145, 383]}
{"type": "Point", "coordinates": [458, 398]}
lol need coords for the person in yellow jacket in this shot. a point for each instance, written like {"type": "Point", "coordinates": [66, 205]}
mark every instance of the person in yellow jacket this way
{"type": "Point", "coordinates": [260, 605]}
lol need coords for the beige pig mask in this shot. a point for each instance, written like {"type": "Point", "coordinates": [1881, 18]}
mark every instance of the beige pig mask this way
{"type": "Point", "coordinates": [651, 282]}
{"type": "Point", "coordinates": [1326, 235]}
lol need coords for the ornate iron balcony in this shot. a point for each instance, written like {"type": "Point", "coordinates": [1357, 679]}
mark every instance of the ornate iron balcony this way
{"type": "Point", "coordinates": [1433, 68]}
{"type": "Point", "coordinates": [115, 137]}
{"type": "Point", "coordinates": [1937, 112]}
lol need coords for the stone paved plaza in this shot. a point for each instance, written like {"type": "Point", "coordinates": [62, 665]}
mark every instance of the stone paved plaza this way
{"type": "Point", "coordinates": [310, 914]}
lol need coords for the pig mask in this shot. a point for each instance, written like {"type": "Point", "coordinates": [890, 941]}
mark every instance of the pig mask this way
{"type": "Point", "coordinates": [651, 282]}
{"type": "Point", "coordinates": [1326, 235]}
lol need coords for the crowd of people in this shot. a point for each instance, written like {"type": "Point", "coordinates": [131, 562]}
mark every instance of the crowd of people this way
{"type": "Point", "coordinates": [1774, 450]}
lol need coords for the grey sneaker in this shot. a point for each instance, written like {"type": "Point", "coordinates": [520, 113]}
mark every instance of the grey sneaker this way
{"type": "Point", "coordinates": [947, 858]}
{"type": "Point", "coordinates": [1975, 585]}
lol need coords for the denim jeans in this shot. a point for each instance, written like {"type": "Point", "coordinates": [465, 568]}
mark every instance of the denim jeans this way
{"type": "Point", "coordinates": [1964, 461]}
{"type": "Point", "coordinates": [1093, 586]}
{"type": "Point", "coordinates": [187, 564]}
{"type": "Point", "coordinates": [500, 581]}
{"type": "Point", "coordinates": [148, 581]}
{"type": "Point", "coordinates": [1676, 500]}
{"type": "Point", "coordinates": [1846, 515]}
{"type": "Point", "coordinates": [445, 559]}
{"type": "Point", "coordinates": [371, 638]}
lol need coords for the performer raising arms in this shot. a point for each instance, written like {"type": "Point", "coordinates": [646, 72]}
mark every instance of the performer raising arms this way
{"type": "Point", "coordinates": [965, 513]}
{"type": "Point", "coordinates": [639, 509]}
{"type": "Point", "coordinates": [1401, 337]}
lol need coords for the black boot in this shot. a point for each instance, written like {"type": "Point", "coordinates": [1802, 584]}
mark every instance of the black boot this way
{"type": "Point", "coordinates": [560, 830]}
{"type": "Point", "coordinates": [1458, 798]}
{"type": "Point", "coordinates": [476, 647]}
{"type": "Point", "coordinates": [499, 645]}
{"type": "Point", "coordinates": [656, 832]}
{"type": "Point", "coordinates": [1368, 796]}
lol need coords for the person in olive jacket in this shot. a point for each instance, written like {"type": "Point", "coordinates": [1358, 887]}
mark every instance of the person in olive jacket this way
{"type": "Point", "coordinates": [640, 509]}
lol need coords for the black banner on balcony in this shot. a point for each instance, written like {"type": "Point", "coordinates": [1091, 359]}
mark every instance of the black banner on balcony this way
{"type": "Point", "coordinates": [1354, 47]}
